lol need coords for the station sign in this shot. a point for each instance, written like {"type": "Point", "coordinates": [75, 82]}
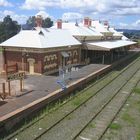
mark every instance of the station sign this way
{"type": "Point", "coordinates": [16, 76]}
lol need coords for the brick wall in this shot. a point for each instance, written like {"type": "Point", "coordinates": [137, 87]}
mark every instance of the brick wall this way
{"type": "Point", "coordinates": [54, 63]}
{"type": "Point", "coordinates": [13, 57]}
{"type": "Point", "coordinates": [41, 65]}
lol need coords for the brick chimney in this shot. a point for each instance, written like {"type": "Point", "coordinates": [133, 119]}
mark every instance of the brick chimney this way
{"type": "Point", "coordinates": [59, 24]}
{"type": "Point", "coordinates": [90, 22]}
{"type": "Point", "coordinates": [86, 21]}
{"type": "Point", "coordinates": [39, 21]}
{"type": "Point", "coordinates": [106, 23]}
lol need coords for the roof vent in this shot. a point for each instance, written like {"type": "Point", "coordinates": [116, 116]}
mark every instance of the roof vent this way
{"type": "Point", "coordinates": [76, 24]}
{"type": "Point", "coordinates": [33, 28]}
{"type": "Point", "coordinates": [41, 33]}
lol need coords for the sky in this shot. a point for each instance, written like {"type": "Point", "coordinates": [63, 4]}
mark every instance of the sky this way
{"type": "Point", "coordinates": [123, 14]}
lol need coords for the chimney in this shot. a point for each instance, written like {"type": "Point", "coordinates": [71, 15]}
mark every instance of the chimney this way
{"type": "Point", "coordinates": [86, 21]}
{"type": "Point", "coordinates": [39, 21]}
{"type": "Point", "coordinates": [59, 24]}
{"type": "Point", "coordinates": [90, 22]}
{"type": "Point", "coordinates": [106, 23]}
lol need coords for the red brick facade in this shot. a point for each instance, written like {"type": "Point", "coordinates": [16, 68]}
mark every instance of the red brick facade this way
{"type": "Point", "coordinates": [44, 62]}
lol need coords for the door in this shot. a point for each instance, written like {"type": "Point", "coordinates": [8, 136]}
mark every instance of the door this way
{"type": "Point", "coordinates": [31, 65]}
{"type": "Point", "coordinates": [31, 68]}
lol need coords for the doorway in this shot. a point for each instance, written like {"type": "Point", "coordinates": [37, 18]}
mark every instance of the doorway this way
{"type": "Point", "coordinates": [31, 65]}
{"type": "Point", "coordinates": [64, 58]}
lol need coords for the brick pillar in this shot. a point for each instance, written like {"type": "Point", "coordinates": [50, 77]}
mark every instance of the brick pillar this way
{"type": "Point", "coordinates": [86, 21]}
{"type": "Point", "coordinates": [39, 21]}
{"type": "Point", "coordinates": [90, 22]}
{"type": "Point", "coordinates": [59, 24]}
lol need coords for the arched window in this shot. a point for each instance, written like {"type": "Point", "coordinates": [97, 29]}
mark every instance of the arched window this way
{"type": "Point", "coordinates": [75, 53]}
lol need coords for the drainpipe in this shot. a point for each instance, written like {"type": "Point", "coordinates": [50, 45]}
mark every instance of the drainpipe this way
{"type": "Point", "coordinates": [103, 60]}
{"type": "Point", "coordinates": [4, 58]}
{"type": "Point", "coordinates": [85, 46]}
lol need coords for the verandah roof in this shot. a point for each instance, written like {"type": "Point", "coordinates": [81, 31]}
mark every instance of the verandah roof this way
{"type": "Point", "coordinates": [108, 45]}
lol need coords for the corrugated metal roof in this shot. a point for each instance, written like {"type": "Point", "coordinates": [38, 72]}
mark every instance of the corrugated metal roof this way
{"type": "Point", "coordinates": [41, 38]}
{"type": "Point", "coordinates": [108, 45]}
{"type": "Point", "coordinates": [115, 33]}
{"type": "Point", "coordinates": [79, 30]}
{"type": "Point", "coordinates": [99, 27]}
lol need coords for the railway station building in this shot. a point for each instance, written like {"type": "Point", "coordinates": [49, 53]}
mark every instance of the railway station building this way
{"type": "Point", "coordinates": [100, 42]}
{"type": "Point", "coordinates": [42, 50]}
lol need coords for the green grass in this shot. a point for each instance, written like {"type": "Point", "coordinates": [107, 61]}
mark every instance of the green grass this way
{"type": "Point", "coordinates": [138, 136]}
{"type": "Point", "coordinates": [136, 90]}
{"type": "Point", "coordinates": [128, 118]}
{"type": "Point", "coordinates": [137, 105]}
{"type": "Point", "coordinates": [115, 126]}
{"type": "Point", "coordinates": [46, 110]}
{"type": "Point", "coordinates": [77, 102]}
{"type": "Point", "coordinates": [92, 125]}
{"type": "Point", "coordinates": [139, 41]}
{"type": "Point", "coordinates": [69, 117]}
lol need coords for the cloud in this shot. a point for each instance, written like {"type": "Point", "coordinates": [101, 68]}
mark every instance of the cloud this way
{"type": "Point", "coordinates": [71, 16]}
{"type": "Point", "coordinates": [5, 3]}
{"type": "Point", "coordinates": [7, 12]}
{"type": "Point", "coordinates": [88, 6]}
{"type": "Point", "coordinates": [127, 11]}
{"type": "Point", "coordinates": [43, 14]}
{"type": "Point", "coordinates": [137, 22]}
{"type": "Point", "coordinates": [20, 18]}
{"type": "Point", "coordinates": [95, 9]}
{"type": "Point", "coordinates": [39, 4]}
{"type": "Point", "coordinates": [43, 4]}
{"type": "Point", "coordinates": [133, 25]}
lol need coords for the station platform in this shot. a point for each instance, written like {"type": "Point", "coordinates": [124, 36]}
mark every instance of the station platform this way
{"type": "Point", "coordinates": [40, 86]}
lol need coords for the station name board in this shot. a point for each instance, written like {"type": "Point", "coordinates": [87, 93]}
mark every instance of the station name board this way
{"type": "Point", "coordinates": [16, 76]}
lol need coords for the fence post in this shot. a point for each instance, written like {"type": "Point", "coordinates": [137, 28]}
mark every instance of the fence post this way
{"type": "Point", "coordinates": [21, 84]}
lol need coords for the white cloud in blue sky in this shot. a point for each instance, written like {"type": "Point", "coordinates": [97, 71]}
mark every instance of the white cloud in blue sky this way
{"type": "Point", "coordinates": [71, 16]}
{"type": "Point", "coordinates": [5, 3]}
{"type": "Point", "coordinates": [122, 14]}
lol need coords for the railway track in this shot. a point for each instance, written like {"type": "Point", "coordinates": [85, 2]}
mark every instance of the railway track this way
{"type": "Point", "coordinates": [88, 109]}
{"type": "Point", "coordinates": [77, 121]}
{"type": "Point", "coordinates": [97, 126]}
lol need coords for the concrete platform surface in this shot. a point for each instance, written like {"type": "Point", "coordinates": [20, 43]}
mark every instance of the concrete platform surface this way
{"type": "Point", "coordinates": [39, 86]}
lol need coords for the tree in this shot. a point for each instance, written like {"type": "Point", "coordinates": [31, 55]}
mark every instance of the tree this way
{"type": "Point", "coordinates": [8, 28]}
{"type": "Point", "coordinates": [31, 22]}
{"type": "Point", "coordinates": [46, 23]}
